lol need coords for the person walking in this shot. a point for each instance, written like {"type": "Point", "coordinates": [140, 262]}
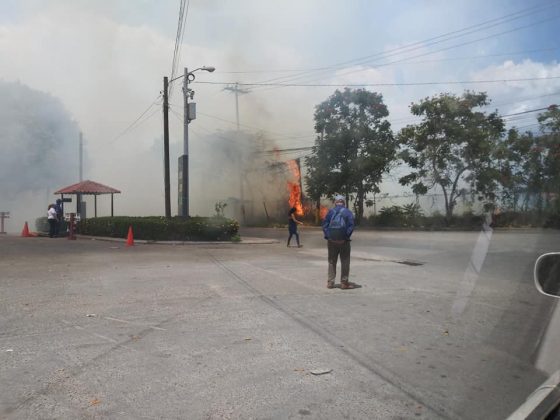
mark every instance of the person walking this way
{"type": "Point", "coordinates": [52, 219]}
{"type": "Point", "coordinates": [292, 226]}
{"type": "Point", "coordinates": [337, 228]}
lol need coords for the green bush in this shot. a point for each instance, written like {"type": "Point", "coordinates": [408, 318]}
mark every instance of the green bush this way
{"type": "Point", "coordinates": [408, 215]}
{"type": "Point", "coordinates": [411, 216]}
{"type": "Point", "coordinates": [160, 228]}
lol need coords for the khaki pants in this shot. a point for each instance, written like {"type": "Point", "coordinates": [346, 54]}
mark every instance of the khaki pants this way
{"type": "Point", "coordinates": [336, 249]}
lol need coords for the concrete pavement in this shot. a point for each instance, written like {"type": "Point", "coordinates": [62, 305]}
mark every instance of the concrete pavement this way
{"type": "Point", "coordinates": [91, 329]}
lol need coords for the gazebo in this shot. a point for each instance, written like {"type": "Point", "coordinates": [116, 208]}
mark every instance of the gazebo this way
{"type": "Point", "coordinates": [88, 188]}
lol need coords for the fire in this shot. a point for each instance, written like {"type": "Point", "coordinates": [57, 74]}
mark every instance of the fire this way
{"type": "Point", "coordinates": [294, 168]}
{"type": "Point", "coordinates": [295, 197]}
{"type": "Point", "coordinates": [310, 208]}
{"type": "Point", "coordinates": [294, 188]}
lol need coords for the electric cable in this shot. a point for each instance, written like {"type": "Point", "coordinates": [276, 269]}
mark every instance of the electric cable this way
{"type": "Point", "coordinates": [430, 41]}
{"type": "Point", "coordinates": [447, 82]}
{"type": "Point", "coordinates": [137, 121]}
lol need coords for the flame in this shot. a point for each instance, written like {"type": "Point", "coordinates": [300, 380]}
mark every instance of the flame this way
{"type": "Point", "coordinates": [294, 188]}
{"type": "Point", "coordinates": [295, 197]}
{"type": "Point", "coordinates": [293, 166]}
{"type": "Point", "coordinates": [311, 208]}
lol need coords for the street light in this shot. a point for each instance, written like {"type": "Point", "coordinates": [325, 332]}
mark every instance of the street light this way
{"type": "Point", "coordinates": [189, 115]}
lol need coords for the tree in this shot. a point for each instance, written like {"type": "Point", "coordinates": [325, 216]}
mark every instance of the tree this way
{"type": "Point", "coordinates": [550, 144]}
{"type": "Point", "coordinates": [550, 120]}
{"type": "Point", "coordinates": [452, 144]}
{"type": "Point", "coordinates": [354, 147]}
{"type": "Point", "coordinates": [515, 162]}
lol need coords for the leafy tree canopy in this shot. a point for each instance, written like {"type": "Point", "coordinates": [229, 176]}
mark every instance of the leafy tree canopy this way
{"type": "Point", "coordinates": [354, 147]}
{"type": "Point", "coordinates": [454, 142]}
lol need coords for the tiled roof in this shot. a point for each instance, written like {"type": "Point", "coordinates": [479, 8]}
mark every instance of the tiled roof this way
{"type": "Point", "coordinates": [87, 187]}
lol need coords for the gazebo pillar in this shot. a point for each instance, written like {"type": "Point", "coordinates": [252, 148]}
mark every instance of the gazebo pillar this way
{"type": "Point", "coordinates": [95, 203]}
{"type": "Point", "coordinates": [112, 204]}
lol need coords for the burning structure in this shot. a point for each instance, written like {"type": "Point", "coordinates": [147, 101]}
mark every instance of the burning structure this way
{"type": "Point", "coordinates": [294, 186]}
{"type": "Point", "coordinates": [248, 175]}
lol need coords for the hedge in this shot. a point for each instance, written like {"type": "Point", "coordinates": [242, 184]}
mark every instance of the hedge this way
{"type": "Point", "coordinates": [160, 228]}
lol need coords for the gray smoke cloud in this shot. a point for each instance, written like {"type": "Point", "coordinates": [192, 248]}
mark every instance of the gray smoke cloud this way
{"type": "Point", "coordinates": [237, 168]}
{"type": "Point", "coordinates": [38, 151]}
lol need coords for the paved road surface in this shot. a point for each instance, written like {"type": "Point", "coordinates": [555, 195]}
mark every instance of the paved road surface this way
{"type": "Point", "coordinates": [445, 325]}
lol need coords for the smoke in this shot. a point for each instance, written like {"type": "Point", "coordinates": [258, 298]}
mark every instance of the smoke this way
{"type": "Point", "coordinates": [236, 168]}
{"type": "Point", "coordinates": [39, 152]}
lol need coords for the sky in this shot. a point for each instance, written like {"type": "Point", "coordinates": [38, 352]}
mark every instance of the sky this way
{"type": "Point", "coordinates": [105, 61]}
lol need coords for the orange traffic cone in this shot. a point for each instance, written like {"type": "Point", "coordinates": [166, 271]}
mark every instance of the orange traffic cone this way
{"type": "Point", "coordinates": [130, 238]}
{"type": "Point", "coordinates": [25, 232]}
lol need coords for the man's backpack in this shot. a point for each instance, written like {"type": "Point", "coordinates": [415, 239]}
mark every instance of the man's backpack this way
{"type": "Point", "coordinates": [337, 226]}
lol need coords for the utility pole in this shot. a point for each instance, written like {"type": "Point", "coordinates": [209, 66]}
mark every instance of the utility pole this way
{"type": "Point", "coordinates": [298, 164]}
{"type": "Point", "coordinates": [166, 147]}
{"type": "Point", "coordinates": [237, 90]}
{"type": "Point", "coordinates": [80, 174]}
{"type": "Point", "coordinates": [184, 160]}
{"type": "Point", "coordinates": [189, 115]}
{"type": "Point", "coordinates": [81, 157]}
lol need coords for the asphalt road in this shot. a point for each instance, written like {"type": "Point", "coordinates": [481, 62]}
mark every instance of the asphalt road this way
{"type": "Point", "coordinates": [444, 325]}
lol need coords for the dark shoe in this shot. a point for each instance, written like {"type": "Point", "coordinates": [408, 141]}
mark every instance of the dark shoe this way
{"type": "Point", "coordinates": [299, 246]}
{"type": "Point", "coordinates": [330, 285]}
{"type": "Point", "coordinates": [347, 285]}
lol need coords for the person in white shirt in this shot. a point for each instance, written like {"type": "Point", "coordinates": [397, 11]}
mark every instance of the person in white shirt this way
{"type": "Point", "coordinates": [53, 220]}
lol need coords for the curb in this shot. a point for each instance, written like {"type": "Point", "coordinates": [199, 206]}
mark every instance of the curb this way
{"type": "Point", "coordinates": [244, 241]}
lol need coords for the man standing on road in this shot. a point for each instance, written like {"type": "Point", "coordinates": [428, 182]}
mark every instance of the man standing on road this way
{"type": "Point", "coordinates": [337, 228]}
{"type": "Point", "coordinates": [51, 217]}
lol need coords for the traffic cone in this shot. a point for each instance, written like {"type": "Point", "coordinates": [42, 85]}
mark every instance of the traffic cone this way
{"type": "Point", "coordinates": [25, 232]}
{"type": "Point", "coordinates": [130, 237]}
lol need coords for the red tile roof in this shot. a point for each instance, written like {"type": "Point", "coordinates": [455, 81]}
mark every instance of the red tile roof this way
{"type": "Point", "coordinates": [87, 187]}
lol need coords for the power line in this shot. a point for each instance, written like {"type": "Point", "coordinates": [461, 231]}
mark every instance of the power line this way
{"type": "Point", "coordinates": [449, 82]}
{"type": "Point", "coordinates": [414, 45]}
{"type": "Point", "coordinates": [462, 44]}
{"type": "Point", "coordinates": [430, 41]}
{"type": "Point", "coordinates": [407, 59]}
{"type": "Point", "coordinates": [529, 111]}
{"type": "Point", "coordinates": [285, 135]}
{"type": "Point", "coordinates": [181, 24]}
{"type": "Point", "coordinates": [526, 98]}
{"type": "Point", "coordinates": [409, 62]}
{"type": "Point", "coordinates": [293, 149]}
{"type": "Point", "coordinates": [137, 121]}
